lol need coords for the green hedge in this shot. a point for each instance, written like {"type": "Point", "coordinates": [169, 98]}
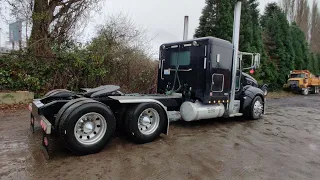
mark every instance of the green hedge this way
{"type": "Point", "coordinates": [73, 70]}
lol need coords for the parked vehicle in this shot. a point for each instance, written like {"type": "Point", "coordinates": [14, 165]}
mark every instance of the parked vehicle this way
{"type": "Point", "coordinates": [199, 78]}
{"type": "Point", "coordinates": [303, 81]}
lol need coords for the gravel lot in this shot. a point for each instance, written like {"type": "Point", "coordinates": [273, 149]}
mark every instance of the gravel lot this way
{"type": "Point", "coordinates": [284, 144]}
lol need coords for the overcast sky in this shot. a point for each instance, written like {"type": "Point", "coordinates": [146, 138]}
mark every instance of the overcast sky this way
{"type": "Point", "coordinates": [163, 19]}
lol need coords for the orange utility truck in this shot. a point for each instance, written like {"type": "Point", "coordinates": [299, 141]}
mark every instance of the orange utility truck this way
{"type": "Point", "coordinates": [303, 81]}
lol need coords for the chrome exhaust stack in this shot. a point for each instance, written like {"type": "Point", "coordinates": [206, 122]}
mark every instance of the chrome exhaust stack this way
{"type": "Point", "coordinates": [186, 27]}
{"type": "Point", "coordinates": [235, 42]}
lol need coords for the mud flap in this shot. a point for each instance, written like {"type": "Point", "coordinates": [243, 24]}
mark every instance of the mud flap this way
{"type": "Point", "coordinates": [32, 123]}
{"type": "Point", "coordinates": [46, 137]}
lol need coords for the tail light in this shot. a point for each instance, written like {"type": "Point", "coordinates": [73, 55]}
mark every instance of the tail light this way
{"type": "Point", "coordinates": [45, 141]}
{"type": "Point", "coordinates": [43, 125]}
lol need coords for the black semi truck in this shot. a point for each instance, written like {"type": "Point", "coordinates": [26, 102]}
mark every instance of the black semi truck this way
{"type": "Point", "coordinates": [199, 78]}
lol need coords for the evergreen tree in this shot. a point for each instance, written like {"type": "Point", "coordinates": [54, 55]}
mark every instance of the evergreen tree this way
{"type": "Point", "coordinates": [299, 47]}
{"type": "Point", "coordinates": [251, 36]}
{"type": "Point", "coordinates": [278, 42]}
{"type": "Point", "coordinates": [283, 47]}
{"type": "Point", "coordinates": [216, 20]}
{"type": "Point", "coordinates": [316, 63]}
{"type": "Point", "coordinates": [207, 20]}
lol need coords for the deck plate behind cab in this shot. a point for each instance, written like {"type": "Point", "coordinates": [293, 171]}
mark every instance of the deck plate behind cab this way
{"type": "Point", "coordinates": [170, 102]}
{"type": "Point", "coordinates": [101, 91]}
{"type": "Point", "coordinates": [128, 98]}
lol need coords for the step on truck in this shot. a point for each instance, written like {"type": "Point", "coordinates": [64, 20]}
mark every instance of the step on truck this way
{"type": "Point", "coordinates": [197, 79]}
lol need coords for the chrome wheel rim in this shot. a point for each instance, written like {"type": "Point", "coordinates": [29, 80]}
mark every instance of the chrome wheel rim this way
{"type": "Point", "coordinates": [90, 128]}
{"type": "Point", "coordinates": [148, 121]}
{"type": "Point", "coordinates": [257, 108]}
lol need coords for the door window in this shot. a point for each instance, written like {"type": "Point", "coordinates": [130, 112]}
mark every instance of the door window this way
{"type": "Point", "coordinates": [237, 83]}
{"type": "Point", "coordinates": [217, 83]}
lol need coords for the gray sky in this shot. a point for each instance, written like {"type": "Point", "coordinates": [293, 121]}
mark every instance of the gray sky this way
{"type": "Point", "coordinates": [163, 19]}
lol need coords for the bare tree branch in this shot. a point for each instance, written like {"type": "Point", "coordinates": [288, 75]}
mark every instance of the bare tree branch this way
{"type": "Point", "coordinates": [53, 20]}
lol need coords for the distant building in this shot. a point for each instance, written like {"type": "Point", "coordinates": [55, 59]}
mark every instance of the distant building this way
{"type": "Point", "coordinates": [4, 50]}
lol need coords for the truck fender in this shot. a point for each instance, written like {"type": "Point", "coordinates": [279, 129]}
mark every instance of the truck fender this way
{"type": "Point", "coordinates": [59, 93]}
{"type": "Point", "coordinates": [249, 93]}
{"type": "Point", "coordinates": [146, 100]}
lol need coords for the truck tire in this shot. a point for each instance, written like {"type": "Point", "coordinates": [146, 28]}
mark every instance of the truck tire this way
{"type": "Point", "coordinates": [256, 108]}
{"type": "Point", "coordinates": [62, 111]}
{"type": "Point", "coordinates": [144, 122]}
{"type": "Point", "coordinates": [86, 127]}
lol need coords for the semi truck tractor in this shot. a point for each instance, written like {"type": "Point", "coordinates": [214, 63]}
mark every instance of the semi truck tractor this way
{"type": "Point", "coordinates": [199, 79]}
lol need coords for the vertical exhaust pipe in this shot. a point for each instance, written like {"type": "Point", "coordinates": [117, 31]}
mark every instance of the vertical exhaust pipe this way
{"type": "Point", "coordinates": [186, 26]}
{"type": "Point", "coordinates": [235, 42]}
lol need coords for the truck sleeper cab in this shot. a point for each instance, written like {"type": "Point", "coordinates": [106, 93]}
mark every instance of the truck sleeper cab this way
{"type": "Point", "coordinates": [200, 69]}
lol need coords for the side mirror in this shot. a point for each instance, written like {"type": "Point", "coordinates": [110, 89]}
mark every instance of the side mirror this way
{"type": "Point", "coordinates": [256, 61]}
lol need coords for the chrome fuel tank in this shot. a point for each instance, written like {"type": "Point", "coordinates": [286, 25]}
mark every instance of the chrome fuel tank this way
{"type": "Point", "coordinates": [196, 111]}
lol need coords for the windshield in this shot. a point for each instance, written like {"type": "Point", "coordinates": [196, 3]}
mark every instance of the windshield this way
{"type": "Point", "coordinates": [297, 75]}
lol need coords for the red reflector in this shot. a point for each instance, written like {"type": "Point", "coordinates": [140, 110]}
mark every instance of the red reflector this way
{"type": "Point", "coordinates": [45, 141]}
{"type": "Point", "coordinates": [251, 71]}
{"type": "Point", "coordinates": [43, 125]}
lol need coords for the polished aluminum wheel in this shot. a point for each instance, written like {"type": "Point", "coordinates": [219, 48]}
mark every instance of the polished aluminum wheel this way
{"type": "Point", "coordinates": [257, 108]}
{"type": "Point", "coordinates": [90, 128]}
{"type": "Point", "coordinates": [148, 121]}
